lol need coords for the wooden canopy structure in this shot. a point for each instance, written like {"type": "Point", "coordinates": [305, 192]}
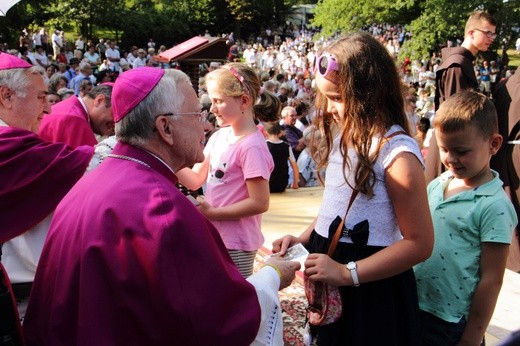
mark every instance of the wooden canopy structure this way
{"type": "Point", "coordinates": [191, 54]}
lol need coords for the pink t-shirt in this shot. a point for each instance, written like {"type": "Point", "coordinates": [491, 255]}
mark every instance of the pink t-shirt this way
{"type": "Point", "coordinates": [230, 165]}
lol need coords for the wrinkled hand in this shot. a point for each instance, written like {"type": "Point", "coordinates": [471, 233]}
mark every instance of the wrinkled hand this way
{"type": "Point", "coordinates": [282, 244]}
{"type": "Point", "coordinates": [287, 269]}
{"type": "Point", "coordinates": [320, 267]}
{"type": "Point", "coordinates": [300, 146]}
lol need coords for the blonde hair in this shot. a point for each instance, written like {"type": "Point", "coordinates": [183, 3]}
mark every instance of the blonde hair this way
{"type": "Point", "coordinates": [237, 79]}
{"type": "Point", "coordinates": [476, 19]}
{"type": "Point", "coordinates": [246, 81]}
{"type": "Point", "coordinates": [371, 90]}
{"type": "Point", "coordinates": [466, 108]}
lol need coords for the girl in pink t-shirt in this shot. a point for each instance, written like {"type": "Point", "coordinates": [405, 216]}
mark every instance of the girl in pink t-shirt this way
{"type": "Point", "coordinates": [237, 164]}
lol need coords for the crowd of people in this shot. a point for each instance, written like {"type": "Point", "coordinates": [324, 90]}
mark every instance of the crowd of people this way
{"type": "Point", "coordinates": [283, 56]}
{"type": "Point", "coordinates": [101, 246]}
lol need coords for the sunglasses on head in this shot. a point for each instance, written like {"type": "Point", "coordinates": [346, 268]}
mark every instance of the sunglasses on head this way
{"type": "Point", "coordinates": [324, 64]}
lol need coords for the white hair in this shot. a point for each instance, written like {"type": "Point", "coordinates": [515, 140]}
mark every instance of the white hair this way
{"type": "Point", "coordinates": [18, 79]}
{"type": "Point", "coordinates": [137, 127]}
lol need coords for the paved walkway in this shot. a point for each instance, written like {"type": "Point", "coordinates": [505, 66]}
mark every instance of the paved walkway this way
{"type": "Point", "coordinates": [292, 211]}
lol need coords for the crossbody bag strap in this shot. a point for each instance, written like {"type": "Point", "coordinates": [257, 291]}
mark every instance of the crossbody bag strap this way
{"type": "Point", "coordinates": [337, 235]}
{"type": "Point", "coordinates": [396, 133]}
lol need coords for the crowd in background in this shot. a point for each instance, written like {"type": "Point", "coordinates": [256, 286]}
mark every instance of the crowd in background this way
{"type": "Point", "coordinates": [278, 85]}
{"type": "Point", "coordinates": [282, 56]}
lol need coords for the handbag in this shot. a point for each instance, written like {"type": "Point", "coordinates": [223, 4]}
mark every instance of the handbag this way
{"type": "Point", "coordinates": [325, 304]}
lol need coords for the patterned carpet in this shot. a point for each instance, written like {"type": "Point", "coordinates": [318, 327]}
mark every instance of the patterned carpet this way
{"type": "Point", "coordinates": [293, 302]}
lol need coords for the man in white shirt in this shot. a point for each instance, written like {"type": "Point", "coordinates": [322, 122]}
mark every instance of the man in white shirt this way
{"type": "Point", "coordinates": [132, 55]}
{"type": "Point", "coordinates": [113, 56]}
{"type": "Point", "coordinates": [41, 57]}
{"type": "Point", "coordinates": [80, 44]}
{"type": "Point", "coordinates": [140, 61]}
{"type": "Point", "coordinates": [57, 43]}
{"type": "Point", "coordinates": [37, 39]}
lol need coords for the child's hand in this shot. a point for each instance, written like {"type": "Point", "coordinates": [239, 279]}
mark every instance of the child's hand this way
{"type": "Point", "coordinates": [300, 146]}
{"type": "Point", "coordinates": [205, 208]}
{"type": "Point", "coordinates": [320, 267]}
{"type": "Point", "coordinates": [281, 245]}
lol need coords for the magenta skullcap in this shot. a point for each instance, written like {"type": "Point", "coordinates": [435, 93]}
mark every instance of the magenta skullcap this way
{"type": "Point", "coordinates": [8, 62]}
{"type": "Point", "coordinates": [131, 87]}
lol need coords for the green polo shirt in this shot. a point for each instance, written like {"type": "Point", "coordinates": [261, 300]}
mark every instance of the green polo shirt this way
{"type": "Point", "coordinates": [447, 281]}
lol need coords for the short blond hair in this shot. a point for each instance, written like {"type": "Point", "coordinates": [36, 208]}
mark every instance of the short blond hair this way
{"type": "Point", "coordinates": [245, 82]}
{"type": "Point", "coordinates": [476, 18]}
{"type": "Point", "coordinates": [466, 108]}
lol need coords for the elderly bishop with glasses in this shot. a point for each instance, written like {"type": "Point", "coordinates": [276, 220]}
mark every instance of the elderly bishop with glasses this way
{"type": "Point", "coordinates": [129, 260]}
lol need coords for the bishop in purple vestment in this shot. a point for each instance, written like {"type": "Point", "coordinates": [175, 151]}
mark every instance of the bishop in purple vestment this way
{"type": "Point", "coordinates": [34, 174]}
{"type": "Point", "coordinates": [129, 260]}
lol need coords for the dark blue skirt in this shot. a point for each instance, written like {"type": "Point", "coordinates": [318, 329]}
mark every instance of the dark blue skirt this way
{"type": "Point", "coordinates": [384, 312]}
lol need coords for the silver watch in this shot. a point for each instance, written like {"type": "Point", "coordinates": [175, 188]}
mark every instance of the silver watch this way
{"type": "Point", "coordinates": [352, 266]}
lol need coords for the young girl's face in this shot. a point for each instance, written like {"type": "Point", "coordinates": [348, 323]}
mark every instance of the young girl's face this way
{"type": "Point", "coordinates": [227, 109]}
{"type": "Point", "coordinates": [335, 103]}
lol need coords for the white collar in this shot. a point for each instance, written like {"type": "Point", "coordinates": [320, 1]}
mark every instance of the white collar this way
{"type": "Point", "coordinates": [161, 160]}
{"type": "Point", "coordinates": [84, 107]}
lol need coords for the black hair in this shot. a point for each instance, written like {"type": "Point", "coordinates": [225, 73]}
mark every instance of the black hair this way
{"type": "Point", "coordinates": [424, 124]}
{"type": "Point", "coordinates": [301, 107]}
{"type": "Point", "coordinates": [273, 128]}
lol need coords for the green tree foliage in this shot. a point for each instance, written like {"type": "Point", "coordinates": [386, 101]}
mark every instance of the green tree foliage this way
{"type": "Point", "coordinates": [435, 25]}
{"type": "Point", "coordinates": [166, 22]}
{"type": "Point", "coordinates": [334, 16]}
{"type": "Point", "coordinates": [251, 15]}
{"type": "Point", "coordinates": [135, 21]}
{"type": "Point", "coordinates": [431, 22]}
{"type": "Point", "coordinates": [25, 14]}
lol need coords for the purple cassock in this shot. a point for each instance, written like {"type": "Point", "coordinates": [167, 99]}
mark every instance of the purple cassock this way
{"type": "Point", "coordinates": [130, 261]}
{"type": "Point", "coordinates": [68, 123]}
{"type": "Point", "coordinates": [34, 177]}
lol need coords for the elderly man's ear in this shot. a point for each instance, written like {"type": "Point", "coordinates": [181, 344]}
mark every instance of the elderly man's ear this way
{"type": "Point", "coordinates": [5, 95]}
{"type": "Point", "coordinates": [164, 126]}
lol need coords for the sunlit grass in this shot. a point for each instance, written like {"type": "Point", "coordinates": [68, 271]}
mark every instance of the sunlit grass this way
{"type": "Point", "coordinates": [514, 58]}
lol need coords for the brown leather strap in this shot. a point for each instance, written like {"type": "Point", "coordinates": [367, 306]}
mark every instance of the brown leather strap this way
{"type": "Point", "coordinates": [400, 132]}
{"type": "Point", "coordinates": [337, 235]}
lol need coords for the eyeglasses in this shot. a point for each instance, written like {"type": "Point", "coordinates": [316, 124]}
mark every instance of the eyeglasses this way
{"type": "Point", "coordinates": [324, 64]}
{"type": "Point", "coordinates": [201, 115]}
{"type": "Point", "coordinates": [489, 34]}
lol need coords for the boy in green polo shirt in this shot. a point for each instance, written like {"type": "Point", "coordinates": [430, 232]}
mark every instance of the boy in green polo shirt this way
{"type": "Point", "coordinates": [473, 221]}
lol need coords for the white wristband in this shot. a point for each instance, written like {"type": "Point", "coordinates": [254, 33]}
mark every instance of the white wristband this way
{"type": "Point", "coordinates": [352, 266]}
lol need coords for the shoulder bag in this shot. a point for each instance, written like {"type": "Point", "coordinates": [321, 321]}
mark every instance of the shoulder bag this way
{"type": "Point", "coordinates": [325, 304]}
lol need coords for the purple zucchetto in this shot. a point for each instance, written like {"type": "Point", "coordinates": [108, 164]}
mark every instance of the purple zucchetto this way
{"type": "Point", "coordinates": [131, 87]}
{"type": "Point", "coordinates": [9, 62]}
